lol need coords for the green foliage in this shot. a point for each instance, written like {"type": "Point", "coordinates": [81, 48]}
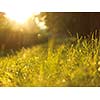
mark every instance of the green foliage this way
{"type": "Point", "coordinates": [65, 65]}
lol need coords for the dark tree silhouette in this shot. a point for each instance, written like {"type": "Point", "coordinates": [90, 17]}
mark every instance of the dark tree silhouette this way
{"type": "Point", "coordinates": [75, 22]}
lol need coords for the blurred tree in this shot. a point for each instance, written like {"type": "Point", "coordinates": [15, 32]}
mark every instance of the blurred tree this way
{"type": "Point", "coordinates": [30, 26]}
{"type": "Point", "coordinates": [4, 22]}
{"type": "Point", "coordinates": [71, 22]}
{"type": "Point", "coordinates": [56, 22]}
{"type": "Point", "coordinates": [4, 29]}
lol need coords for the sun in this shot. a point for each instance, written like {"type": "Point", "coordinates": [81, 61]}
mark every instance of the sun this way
{"type": "Point", "coordinates": [19, 10]}
{"type": "Point", "coordinates": [20, 16]}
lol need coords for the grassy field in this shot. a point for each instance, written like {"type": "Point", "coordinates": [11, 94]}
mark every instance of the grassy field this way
{"type": "Point", "coordinates": [65, 64]}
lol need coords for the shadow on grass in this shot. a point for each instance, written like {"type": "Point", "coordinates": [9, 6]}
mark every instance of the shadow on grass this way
{"type": "Point", "coordinates": [13, 49]}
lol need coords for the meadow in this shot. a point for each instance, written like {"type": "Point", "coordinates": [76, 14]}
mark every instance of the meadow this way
{"type": "Point", "coordinates": [64, 64]}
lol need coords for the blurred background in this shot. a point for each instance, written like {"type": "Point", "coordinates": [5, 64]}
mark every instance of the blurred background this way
{"type": "Point", "coordinates": [40, 27]}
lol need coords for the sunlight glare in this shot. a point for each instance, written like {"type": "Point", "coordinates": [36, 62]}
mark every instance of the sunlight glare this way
{"type": "Point", "coordinates": [40, 24]}
{"type": "Point", "coordinates": [19, 10]}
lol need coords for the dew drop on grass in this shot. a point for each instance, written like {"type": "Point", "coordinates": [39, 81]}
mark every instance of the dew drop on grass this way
{"type": "Point", "coordinates": [63, 80]}
{"type": "Point", "coordinates": [99, 69]}
{"type": "Point", "coordinates": [99, 63]}
{"type": "Point", "coordinates": [36, 58]}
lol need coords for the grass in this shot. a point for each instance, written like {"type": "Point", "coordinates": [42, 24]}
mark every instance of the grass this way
{"type": "Point", "coordinates": [65, 64]}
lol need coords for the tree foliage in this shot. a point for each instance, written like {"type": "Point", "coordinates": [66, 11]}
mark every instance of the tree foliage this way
{"type": "Point", "coordinates": [71, 22]}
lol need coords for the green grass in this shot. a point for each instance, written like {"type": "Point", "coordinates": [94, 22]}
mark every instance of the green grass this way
{"type": "Point", "coordinates": [63, 65]}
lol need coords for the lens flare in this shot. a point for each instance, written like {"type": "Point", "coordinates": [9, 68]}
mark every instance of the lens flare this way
{"type": "Point", "coordinates": [18, 10]}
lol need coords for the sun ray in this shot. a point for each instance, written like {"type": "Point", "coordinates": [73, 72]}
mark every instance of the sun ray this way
{"type": "Point", "coordinates": [19, 10]}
